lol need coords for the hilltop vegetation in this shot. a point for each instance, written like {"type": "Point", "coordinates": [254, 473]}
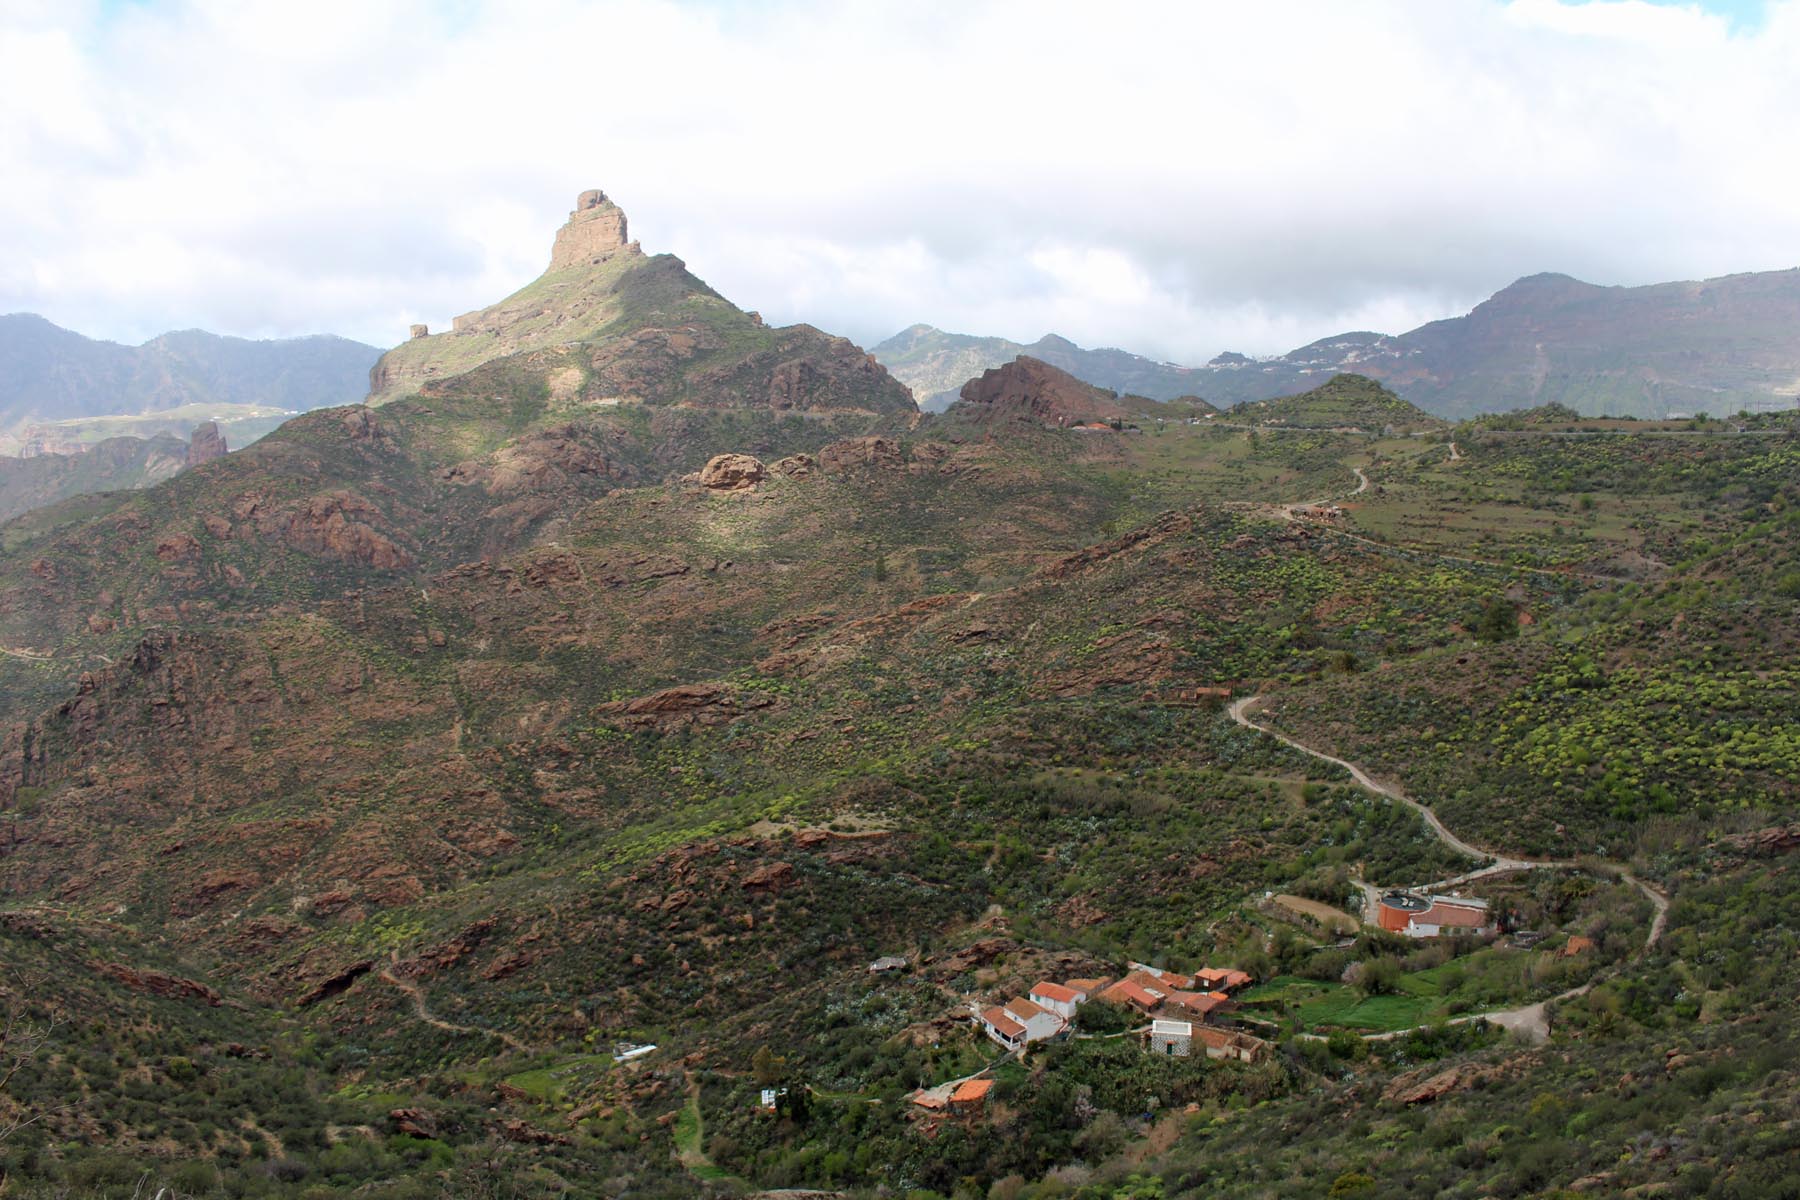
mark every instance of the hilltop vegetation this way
{"type": "Point", "coordinates": [363, 793]}
{"type": "Point", "coordinates": [1343, 402]}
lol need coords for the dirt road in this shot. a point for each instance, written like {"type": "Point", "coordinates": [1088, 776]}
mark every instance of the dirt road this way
{"type": "Point", "coordinates": [1497, 864]}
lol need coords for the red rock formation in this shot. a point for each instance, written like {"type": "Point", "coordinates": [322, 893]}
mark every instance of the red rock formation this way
{"type": "Point", "coordinates": [156, 983]}
{"type": "Point", "coordinates": [595, 230]}
{"type": "Point", "coordinates": [207, 444]}
{"type": "Point", "coordinates": [732, 472]}
{"type": "Point", "coordinates": [1029, 390]}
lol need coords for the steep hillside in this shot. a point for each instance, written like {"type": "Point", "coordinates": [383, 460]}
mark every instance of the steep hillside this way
{"type": "Point", "coordinates": [50, 374]}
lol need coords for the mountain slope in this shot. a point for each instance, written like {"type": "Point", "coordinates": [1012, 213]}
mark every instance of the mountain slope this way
{"type": "Point", "coordinates": [51, 374]}
{"type": "Point", "coordinates": [613, 326]}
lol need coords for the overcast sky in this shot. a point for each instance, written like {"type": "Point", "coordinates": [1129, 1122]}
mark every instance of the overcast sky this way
{"type": "Point", "coordinates": [1175, 178]}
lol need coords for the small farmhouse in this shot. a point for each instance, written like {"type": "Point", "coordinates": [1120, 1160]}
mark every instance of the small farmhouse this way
{"type": "Point", "coordinates": [1221, 979]}
{"type": "Point", "coordinates": [1433, 916]}
{"type": "Point", "coordinates": [1168, 980]}
{"type": "Point", "coordinates": [1208, 1006]}
{"type": "Point", "coordinates": [1174, 1038]}
{"type": "Point", "coordinates": [1135, 991]}
{"type": "Point", "coordinates": [1061, 999]}
{"type": "Point", "coordinates": [1019, 1022]}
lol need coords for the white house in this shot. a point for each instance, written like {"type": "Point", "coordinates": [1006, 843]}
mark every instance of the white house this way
{"type": "Point", "coordinates": [1058, 998]}
{"type": "Point", "coordinates": [1018, 1022]}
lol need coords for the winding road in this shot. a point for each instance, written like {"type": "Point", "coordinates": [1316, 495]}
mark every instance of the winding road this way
{"type": "Point", "coordinates": [1497, 864]}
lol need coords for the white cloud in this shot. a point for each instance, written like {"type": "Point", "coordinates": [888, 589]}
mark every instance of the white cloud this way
{"type": "Point", "coordinates": [1177, 178]}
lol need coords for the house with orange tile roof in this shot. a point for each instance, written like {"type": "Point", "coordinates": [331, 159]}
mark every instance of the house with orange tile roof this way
{"type": "Point", "coordinates": [1205, 1005]}
{"type": "Point", "coordinates": [1220, 979]}
{"type": "Point", "coordinates": [1019, 1022]}
{"type": "Point", "coordinates": [1135, 991]}
{"type": "Point", "coordinates": [1168, 979]}
{"type": "Point", "coordinates": [1061, 999]}
{"type": "Point", "coordinates": [1433, 916]}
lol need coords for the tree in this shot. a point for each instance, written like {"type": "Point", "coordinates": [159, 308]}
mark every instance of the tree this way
{"type": "Point", "coordinates": [1380, 976]}
{"type": "Point", "coordinates": [767, 1067]}
{"type": "Point", "coordinates": [1499, 621]}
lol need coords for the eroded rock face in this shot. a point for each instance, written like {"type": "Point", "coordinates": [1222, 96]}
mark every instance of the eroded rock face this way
{"type": "Point", "coordinates": [595, 230]}
{"type": "Point", "coordinates": [207, 444]}
{"type": "Point", "coordinates": [1029, 390]}
{"type": "Point", "coordinates": [732, 472]}
{"type": "Point", "coordinates": [860, 453]}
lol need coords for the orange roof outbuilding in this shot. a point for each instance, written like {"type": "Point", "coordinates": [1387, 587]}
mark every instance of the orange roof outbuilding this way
{"type": "Point", "coordinates": [970, 1091]}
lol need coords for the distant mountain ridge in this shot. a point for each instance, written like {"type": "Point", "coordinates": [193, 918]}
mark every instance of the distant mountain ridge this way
{"type": "Point", "coordinates": [935, 365]}
{"type": "Point", "coordinates": [1716, 345]}
{"type": "Point", "coordinates": [49, 374]}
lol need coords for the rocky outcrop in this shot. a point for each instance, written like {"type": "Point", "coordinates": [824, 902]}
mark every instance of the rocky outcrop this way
{"type": "Point", "coordinates": [1029, 390]}
{"type": "Point", "coordinates": [1424, 1086]}
{"type": "Point", "coordinates": [207, 444]}
{"type": "Point", "coordinates": [864, 453]}
{"type": "Point", "coordinates": [1764, 843]}
{"type": "Point", "coordinates": [732, 473]}
{"type": "Point", "coordinates": [687, 704]}
{"type": "Point", "coordinates": [338, 525]}
{"type": "Point", "coordinates": [595, 230]}
{"type": "Point", "coordinates": [158, 983]}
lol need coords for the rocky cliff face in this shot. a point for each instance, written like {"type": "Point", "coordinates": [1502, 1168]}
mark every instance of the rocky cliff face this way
{"type": "Point", "coordinates": [595, 230]}
{"type": "Point", "coordinates": [207, 444]}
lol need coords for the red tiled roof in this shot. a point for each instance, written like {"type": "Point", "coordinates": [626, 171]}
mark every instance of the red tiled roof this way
{"type": "Point", "coordinates": [1200, 1002]}
{"type": "Point", "coordinates": [1090, 986]}
{"type": "Point", "coordinates": [997, 1018]}
{"type": "Point", "coordinates": [1237, 979]}
{"type": "Point", "coordinates": [1056, 992]}
{"type": "Point", "coordinates": [1023, 1010]}
{"type": "Point", "coordinates": [1215, 1037]}
{"type": "Point", "coordinates": [1213, 975]}
{"type": "Point", "coordinates": [971, 1089]}
{"type": "Point", "coordinates": [1448, 912]}
{"type": "Point", "coordinates": [924, 1100]}
{"type": "Point", "coordinates": [1128, 991]}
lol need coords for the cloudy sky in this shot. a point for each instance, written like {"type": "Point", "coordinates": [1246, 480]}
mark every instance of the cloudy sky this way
{"type": "Point", "coordinates": [1176, 178]}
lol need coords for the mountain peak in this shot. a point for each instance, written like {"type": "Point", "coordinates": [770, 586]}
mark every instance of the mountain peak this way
{"type": "Point", "coordinates": [594, 231]}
